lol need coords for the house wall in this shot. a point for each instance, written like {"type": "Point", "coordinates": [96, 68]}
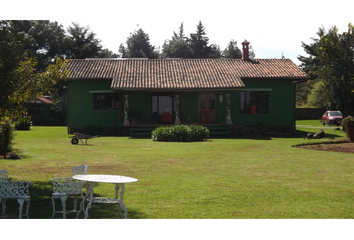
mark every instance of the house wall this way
{"type": "Point", "coordinates": [139, 107]}
{"type": "Point", "coordinates": [281, 104]}
{"type": "Point", "coordinates": [82, 116]}
{"type": "Point", "coordinates": [189, 107]}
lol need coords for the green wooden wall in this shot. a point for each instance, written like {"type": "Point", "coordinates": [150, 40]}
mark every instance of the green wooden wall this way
{"type": "Point", "coordinates": [81, 113]}
{"type": "Point", "coordinates": [281, 104]}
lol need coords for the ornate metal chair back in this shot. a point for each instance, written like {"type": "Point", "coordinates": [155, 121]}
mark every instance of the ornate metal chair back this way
{"type": "Point", "coordinates": [79, 170]}
{"type": "Point", "coordinates": [14, 189]}
{"type": "Point", "coordinates": [67, 185]}
{"type": "Point", "coordinates": [4, 175]}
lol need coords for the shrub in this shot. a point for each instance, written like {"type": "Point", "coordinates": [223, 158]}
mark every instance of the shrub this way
{"type": "Point", "coordinates": [6, 138]}
{"type": "Point", "coordinates": [14, 156]}
{"type": "Point", "coordinates": [180, 133]}
{"type": "Point", "coordinates": [23, 123]}
{"type": "Point", "coordinates": [348, 121]}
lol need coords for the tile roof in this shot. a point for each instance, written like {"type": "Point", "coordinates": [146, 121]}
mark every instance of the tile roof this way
{"type": "Point", "coordinates": [181, 74]}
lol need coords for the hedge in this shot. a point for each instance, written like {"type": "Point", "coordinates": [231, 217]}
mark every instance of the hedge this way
{"type": "Point", "coordinates": [180, 133]}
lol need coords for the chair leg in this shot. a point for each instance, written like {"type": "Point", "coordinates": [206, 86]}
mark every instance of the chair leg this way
{"type": "Point", "coordinates": [28, 203]}
{"type": "Point", "coordinates": [20, 202]}
{"type": "Point", "coordinates": [53, 203]}
{"type": "Point", "coordinates": [119, 211]}
{"type": "Point", "coordinates": [63, 200]}
{"type": "Point", "coordinates": [75, 202]}
{"type": "Point", "coordinates": [3, 206]}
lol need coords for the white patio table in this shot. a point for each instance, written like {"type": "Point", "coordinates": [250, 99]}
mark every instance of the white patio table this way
{"type": "Point", "coordinates": [91, 182]}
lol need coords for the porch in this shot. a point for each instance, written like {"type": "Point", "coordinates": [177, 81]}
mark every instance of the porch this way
{"type": "Point", "coordinates": [208, 109]}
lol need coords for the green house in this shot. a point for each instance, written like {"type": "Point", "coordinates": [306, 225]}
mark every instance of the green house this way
{"type": "Point", "coordinates": [125, 97]}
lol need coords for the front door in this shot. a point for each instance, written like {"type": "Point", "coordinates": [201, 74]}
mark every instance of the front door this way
{"type": "Point", "coordinates": [207, 108]}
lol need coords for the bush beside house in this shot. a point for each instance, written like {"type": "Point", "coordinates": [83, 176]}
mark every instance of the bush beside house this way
{"type": "Point", "coordinates": [180, 133]}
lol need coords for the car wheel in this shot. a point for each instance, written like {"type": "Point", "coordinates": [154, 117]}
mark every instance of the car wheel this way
{"type": "Point", "coordinates": [323, 123]}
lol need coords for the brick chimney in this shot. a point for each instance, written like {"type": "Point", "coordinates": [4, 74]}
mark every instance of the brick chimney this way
{"type": "Point", "coordinates": [245, 50]}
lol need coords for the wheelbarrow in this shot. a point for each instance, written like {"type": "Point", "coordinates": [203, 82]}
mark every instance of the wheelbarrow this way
{"type": "Point", "coordinates": [80, 136]}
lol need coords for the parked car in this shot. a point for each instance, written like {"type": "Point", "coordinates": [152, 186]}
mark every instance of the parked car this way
{"type": "Point", "coordinates": [332, 117]}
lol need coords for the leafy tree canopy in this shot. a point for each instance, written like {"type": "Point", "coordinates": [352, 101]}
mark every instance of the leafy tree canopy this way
{"type": "Point", "coordinates": [195, 46]}
{"type": "Point", "coordinates": [331, 60]}
{"type": "Point", "coordinates": [232, 51]}
{"type": "Point", "coordinates": [20, 80]}
{"type": "Point", "coordinates": [177, 47]}
{"type": "Point", "coordinates": [138, 46]}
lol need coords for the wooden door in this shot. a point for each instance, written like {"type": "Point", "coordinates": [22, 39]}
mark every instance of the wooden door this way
{"type": "Point", "coordinates": [207, 108]}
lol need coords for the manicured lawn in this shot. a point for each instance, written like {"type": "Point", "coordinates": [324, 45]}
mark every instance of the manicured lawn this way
{"type": "Point", "coordinates": [231, 178]}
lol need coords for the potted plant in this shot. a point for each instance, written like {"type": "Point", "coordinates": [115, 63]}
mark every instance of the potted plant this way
{"type": "Point", "coordinates": [348, 125]}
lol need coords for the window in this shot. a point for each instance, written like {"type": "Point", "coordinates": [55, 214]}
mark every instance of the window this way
{"type": "Point", "coordinates": [106, 101]}
{"type": "Point", "coordinates": [161, 103]}
{"type": "Point", "coordinates": [254, 102]}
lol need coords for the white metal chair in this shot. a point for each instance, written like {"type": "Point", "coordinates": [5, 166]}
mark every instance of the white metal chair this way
{"type": "Point", "coordinates": [65, 187]}
{"type": "Point", "coordinates": [14, 190]}
{"type": "Point", "coordinates": [4, 175]}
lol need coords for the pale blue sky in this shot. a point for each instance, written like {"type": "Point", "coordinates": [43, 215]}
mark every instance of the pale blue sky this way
{"type": "Point", "coordinates": [270, 38]}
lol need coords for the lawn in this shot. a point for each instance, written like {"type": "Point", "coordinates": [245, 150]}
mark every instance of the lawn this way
{"type": "Point", "coordinates": [230, 178]}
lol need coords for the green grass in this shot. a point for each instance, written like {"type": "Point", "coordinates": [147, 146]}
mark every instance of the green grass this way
{"type": "Point", "coordinates": [259, 178]}
{"type": "Point", "coordinates": [306, 126]}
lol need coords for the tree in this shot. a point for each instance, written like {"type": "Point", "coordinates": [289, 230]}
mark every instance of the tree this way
{"type": "Point", "coordinates": [31, 84]}
{"type": "Point", "coordinates": [11, 52]}
{"type": "Point", "coordinates": [232, 51]}
{"type": "Point", "coordinates": [316, 98]}
{"type": "Point", "coordinates": [332, 61]}
{"type": "Point", "coordinates": [199, 42]}
{"type": "Point", "coordinates": [215, 51]}
{"type": "Point", "coordinates": [177, 47]}
{"type": "Point", "coordinates": [44, 40]}
{"type": "Point", "coordinates": [138, 46]}
{"type": "Point", "coordinates": [6, 138]}
{"type": "Point", "coordinates": [310, 65]}
{"type": "Point", "coordinates": [82, 43]}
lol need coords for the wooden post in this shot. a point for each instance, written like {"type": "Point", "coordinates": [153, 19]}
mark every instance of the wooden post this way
{"type": "Point", "coordinates": [228, 109]}
{"type": "Point", "coordinates": [177, 120]}
{"type": "Point", "coordinates": [126, 110]}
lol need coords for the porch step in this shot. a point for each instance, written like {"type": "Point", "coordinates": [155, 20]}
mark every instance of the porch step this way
{"type": "Point", "coordinates": [272, 134]}
{"type": "Point", "coordinates": [252, 131]}
{"type": "Point", "coordinates": [141, 131]}
{"type": "Point", "coordinates": [217, 130]}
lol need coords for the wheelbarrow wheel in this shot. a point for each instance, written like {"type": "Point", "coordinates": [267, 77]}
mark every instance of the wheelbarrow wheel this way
{"type": "Point", "coordinates": [74, 140]}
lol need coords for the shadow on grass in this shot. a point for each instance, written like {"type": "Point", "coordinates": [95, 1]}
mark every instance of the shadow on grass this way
{"type": "Point", "coordinates": [41, 206]}
{"type": "Point", "coordinates": [303, 134]}
{"type": "Point", "coordinates": [214, 137]}
{"type": "Point", "coordinates": [241, 137]}
{"type": "Point", "coordinates": [140, 137]}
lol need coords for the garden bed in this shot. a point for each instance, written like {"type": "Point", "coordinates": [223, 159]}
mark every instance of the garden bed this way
{"type": "Point", "coordinates": [332, 146]}
{"type": "Point", "coordinates": [12, 155]}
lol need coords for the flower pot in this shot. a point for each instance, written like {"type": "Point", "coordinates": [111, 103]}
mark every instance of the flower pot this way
{"type": "Point", "coordinates": [349, 131]}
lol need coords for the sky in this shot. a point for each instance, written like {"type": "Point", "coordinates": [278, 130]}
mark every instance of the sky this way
{"type": "Point", "coordinates": [269, 38]}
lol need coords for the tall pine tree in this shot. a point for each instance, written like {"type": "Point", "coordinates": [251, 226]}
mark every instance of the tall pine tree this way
{"type": "Point", "coordinates": [199, 42]}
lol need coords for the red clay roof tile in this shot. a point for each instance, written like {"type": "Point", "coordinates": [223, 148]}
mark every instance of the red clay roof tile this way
{"type": "Point", "coordinates": [175, 74]}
